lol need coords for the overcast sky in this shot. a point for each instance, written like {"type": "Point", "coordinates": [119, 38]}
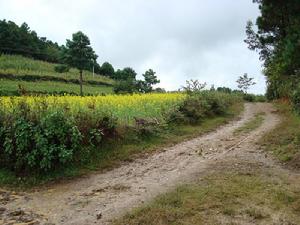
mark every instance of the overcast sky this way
{"type": "Point", "coordinates": [179, 39]}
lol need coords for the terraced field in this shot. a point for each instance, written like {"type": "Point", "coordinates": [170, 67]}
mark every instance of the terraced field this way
{"type": "Point", "coordinates": [20, 74]}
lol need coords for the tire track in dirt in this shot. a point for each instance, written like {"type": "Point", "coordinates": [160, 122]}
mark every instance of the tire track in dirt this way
{"type": "Point", "coordinates": [99, 198]}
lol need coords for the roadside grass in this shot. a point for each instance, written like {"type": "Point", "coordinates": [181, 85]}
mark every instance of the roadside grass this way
{"type": "Point", "coordinates": [284, 140]}
{"type": "Point", "coordinates": [222, 198]}
{"type": "Point", "coordinates": [113, 154]}
{"type": "Point", "coordinates": [251, 125]}
{"type": "Point", "coordinates": [11, 88]}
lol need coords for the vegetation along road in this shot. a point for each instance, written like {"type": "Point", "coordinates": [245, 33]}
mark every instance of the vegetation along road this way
{"type": "Point", "coordinates": [100, 198]}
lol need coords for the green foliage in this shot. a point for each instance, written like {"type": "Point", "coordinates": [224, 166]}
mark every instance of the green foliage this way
{"type": "Point", "coordinates": [193, 86]}
{"type": "Point", "coordinates": [21, 68]}
{"type": "Point", "coordinates": [30, 145]}
{"type": "Point", "coordinates": [296, 99]}
{"type": "Point", "coordinates": [277, 40]}
{"type": "Point", "coordinates": [11, 88]}
{"type": "Point", "coordinates": [284, 141]}
{"type": "Point", "coordinates": [21, 40]}
{"type": "Point", "coordinates": [249, 97]}
{"type": "Point", "coordinates": [150, 79]}
{"type": "Point", "coordinates": [200, 105]}
{"type": "Point", "coordinates": [159, 90]}
{"type": "Point", "coordinates": [38, 138]}
{"type": "Point", "coordinates": [61, 68]}
{"type": "Point", "coordinates": [106, 70]}
{"type": "Point", "coordinates": [79, 54]}
{"type": "Point", "coordinates": [127, 83]}
{"type": "Point", "coordinates": [224, 89]}
{"type": "Point", "coordinates": [260, 98]}
{"type": "Point", "coordinates": [125, 74]}
{"type": "Point", "coordinates": [125, 86]}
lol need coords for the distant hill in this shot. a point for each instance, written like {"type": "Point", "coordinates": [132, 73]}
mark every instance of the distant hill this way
{"type": "Point", "coordinates": [22, 75]}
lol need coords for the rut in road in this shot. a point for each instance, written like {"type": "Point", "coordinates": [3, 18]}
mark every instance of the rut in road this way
{"type": "Point", "coordinates": [99, 198]}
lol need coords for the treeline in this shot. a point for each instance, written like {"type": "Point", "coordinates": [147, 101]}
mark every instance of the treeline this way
{"type": "Point", "coordinates": [277, 40]}
{"type": "Point", "coordinates": [21, 40]}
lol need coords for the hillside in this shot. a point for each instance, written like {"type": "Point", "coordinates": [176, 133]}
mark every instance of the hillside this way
{"type": "Point", "coordinates": [39, 77]}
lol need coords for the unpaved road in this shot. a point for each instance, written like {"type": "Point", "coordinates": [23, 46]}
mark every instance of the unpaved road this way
{"type": "Point", "coordinates": [99, 198]}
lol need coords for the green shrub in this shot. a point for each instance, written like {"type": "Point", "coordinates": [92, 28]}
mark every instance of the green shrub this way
{"type": "Point", "coordinates": [201, 105]}
{"type": "Point", "coordinates": [195, 108]}
{"type": "Point", "coordinates": [260, 98]}
{"type": "Point", "coordinates": [249, 97]}
{"type": "Point", "coordinates": [40, 146]}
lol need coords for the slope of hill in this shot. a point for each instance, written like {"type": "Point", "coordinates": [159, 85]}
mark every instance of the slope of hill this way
{"type": "Point", "coordinates": [39, 77]}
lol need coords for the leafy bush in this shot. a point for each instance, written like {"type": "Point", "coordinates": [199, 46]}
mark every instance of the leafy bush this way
{"type": "Point", "coordinates": [147, 127]}
{"type": "Point", "coordinates": [40, 145]}
{"type": "Point", "coordinates": [260, 98]}
{"type": "Point", "coordinates": [249, 97]}
{"type": "Point", "coordinates": [201, 105]}
{"type": "Point", "coordinates": [195, 108]}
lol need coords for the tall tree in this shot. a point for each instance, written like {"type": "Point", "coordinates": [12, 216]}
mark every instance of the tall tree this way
{"type": "Point", "coordinates": [150, 79]}
{"type": "Point", "coordinates": [79, 54]}
{"type": "Point", "coordinates": [245, 82]}
{"type": "Point", "coordinates": [277, 40]}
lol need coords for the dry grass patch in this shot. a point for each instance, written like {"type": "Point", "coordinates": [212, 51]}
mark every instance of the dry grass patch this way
{"type": "Point", "coordinates": [224, 198]}
{"type": "Point", "coordinates": [284, 140]}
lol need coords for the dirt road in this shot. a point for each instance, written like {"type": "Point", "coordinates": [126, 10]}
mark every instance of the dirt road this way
{"type": "Point", "coordinates": [99, 198]}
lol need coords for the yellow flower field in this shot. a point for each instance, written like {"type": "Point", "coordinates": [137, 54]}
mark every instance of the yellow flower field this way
{"type": "Point", "coordinates": [123, 107]}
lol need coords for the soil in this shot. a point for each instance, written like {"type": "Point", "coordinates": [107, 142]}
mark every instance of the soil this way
{"type": "Point", "coordinates": [101, 198]}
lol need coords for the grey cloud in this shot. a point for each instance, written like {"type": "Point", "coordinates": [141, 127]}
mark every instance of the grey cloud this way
{"type": "Point", "coordinates": [199, 39]}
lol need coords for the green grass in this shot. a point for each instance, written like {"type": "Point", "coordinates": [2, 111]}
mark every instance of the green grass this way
{"type": "Point", "coordinates": [19, 67]}
{"type": "Point", "coordinates": [222, 196]}
{"type": "Point", "coordinates": [115, 153]}
{"type": "Point", "coordinates": [11, 88]}
{"type": "Point", "coordinates": [251, 125]}
{"type": "Point", "coordinates": [284, 140]}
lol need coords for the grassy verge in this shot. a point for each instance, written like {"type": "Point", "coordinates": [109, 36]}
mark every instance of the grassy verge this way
{"type": "Point", "coordinates": [11, 88]}
{"type": "Point", "coordinates": [284, 141]}
{"type": "Point", "coordinates": [222, 198]}
{"type": "Point", "coordinates": [113, 154]}
{"type": "Point", "coordinates": [251, 125]}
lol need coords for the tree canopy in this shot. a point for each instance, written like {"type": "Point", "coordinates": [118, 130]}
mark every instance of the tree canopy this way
{"type": "Point", "coordinates": [106, 70]}
{"type": "Point", "coordinates": [125, 74]}
{"type": "Point", "coordinates": [277, 40]}
{"type": "Point", "coordinates": [150, 79]}
{"type": "Point", "coordinates": [21, 40]}
{"type": "Point", "coordinates": [79, 53]}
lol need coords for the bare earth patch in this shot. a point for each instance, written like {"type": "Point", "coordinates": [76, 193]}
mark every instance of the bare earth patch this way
{"type": "Point", "coordinates": [101, 198]}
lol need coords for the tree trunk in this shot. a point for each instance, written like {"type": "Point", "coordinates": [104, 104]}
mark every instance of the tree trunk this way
{"type": "Point", "coordinates": [80, 82]}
